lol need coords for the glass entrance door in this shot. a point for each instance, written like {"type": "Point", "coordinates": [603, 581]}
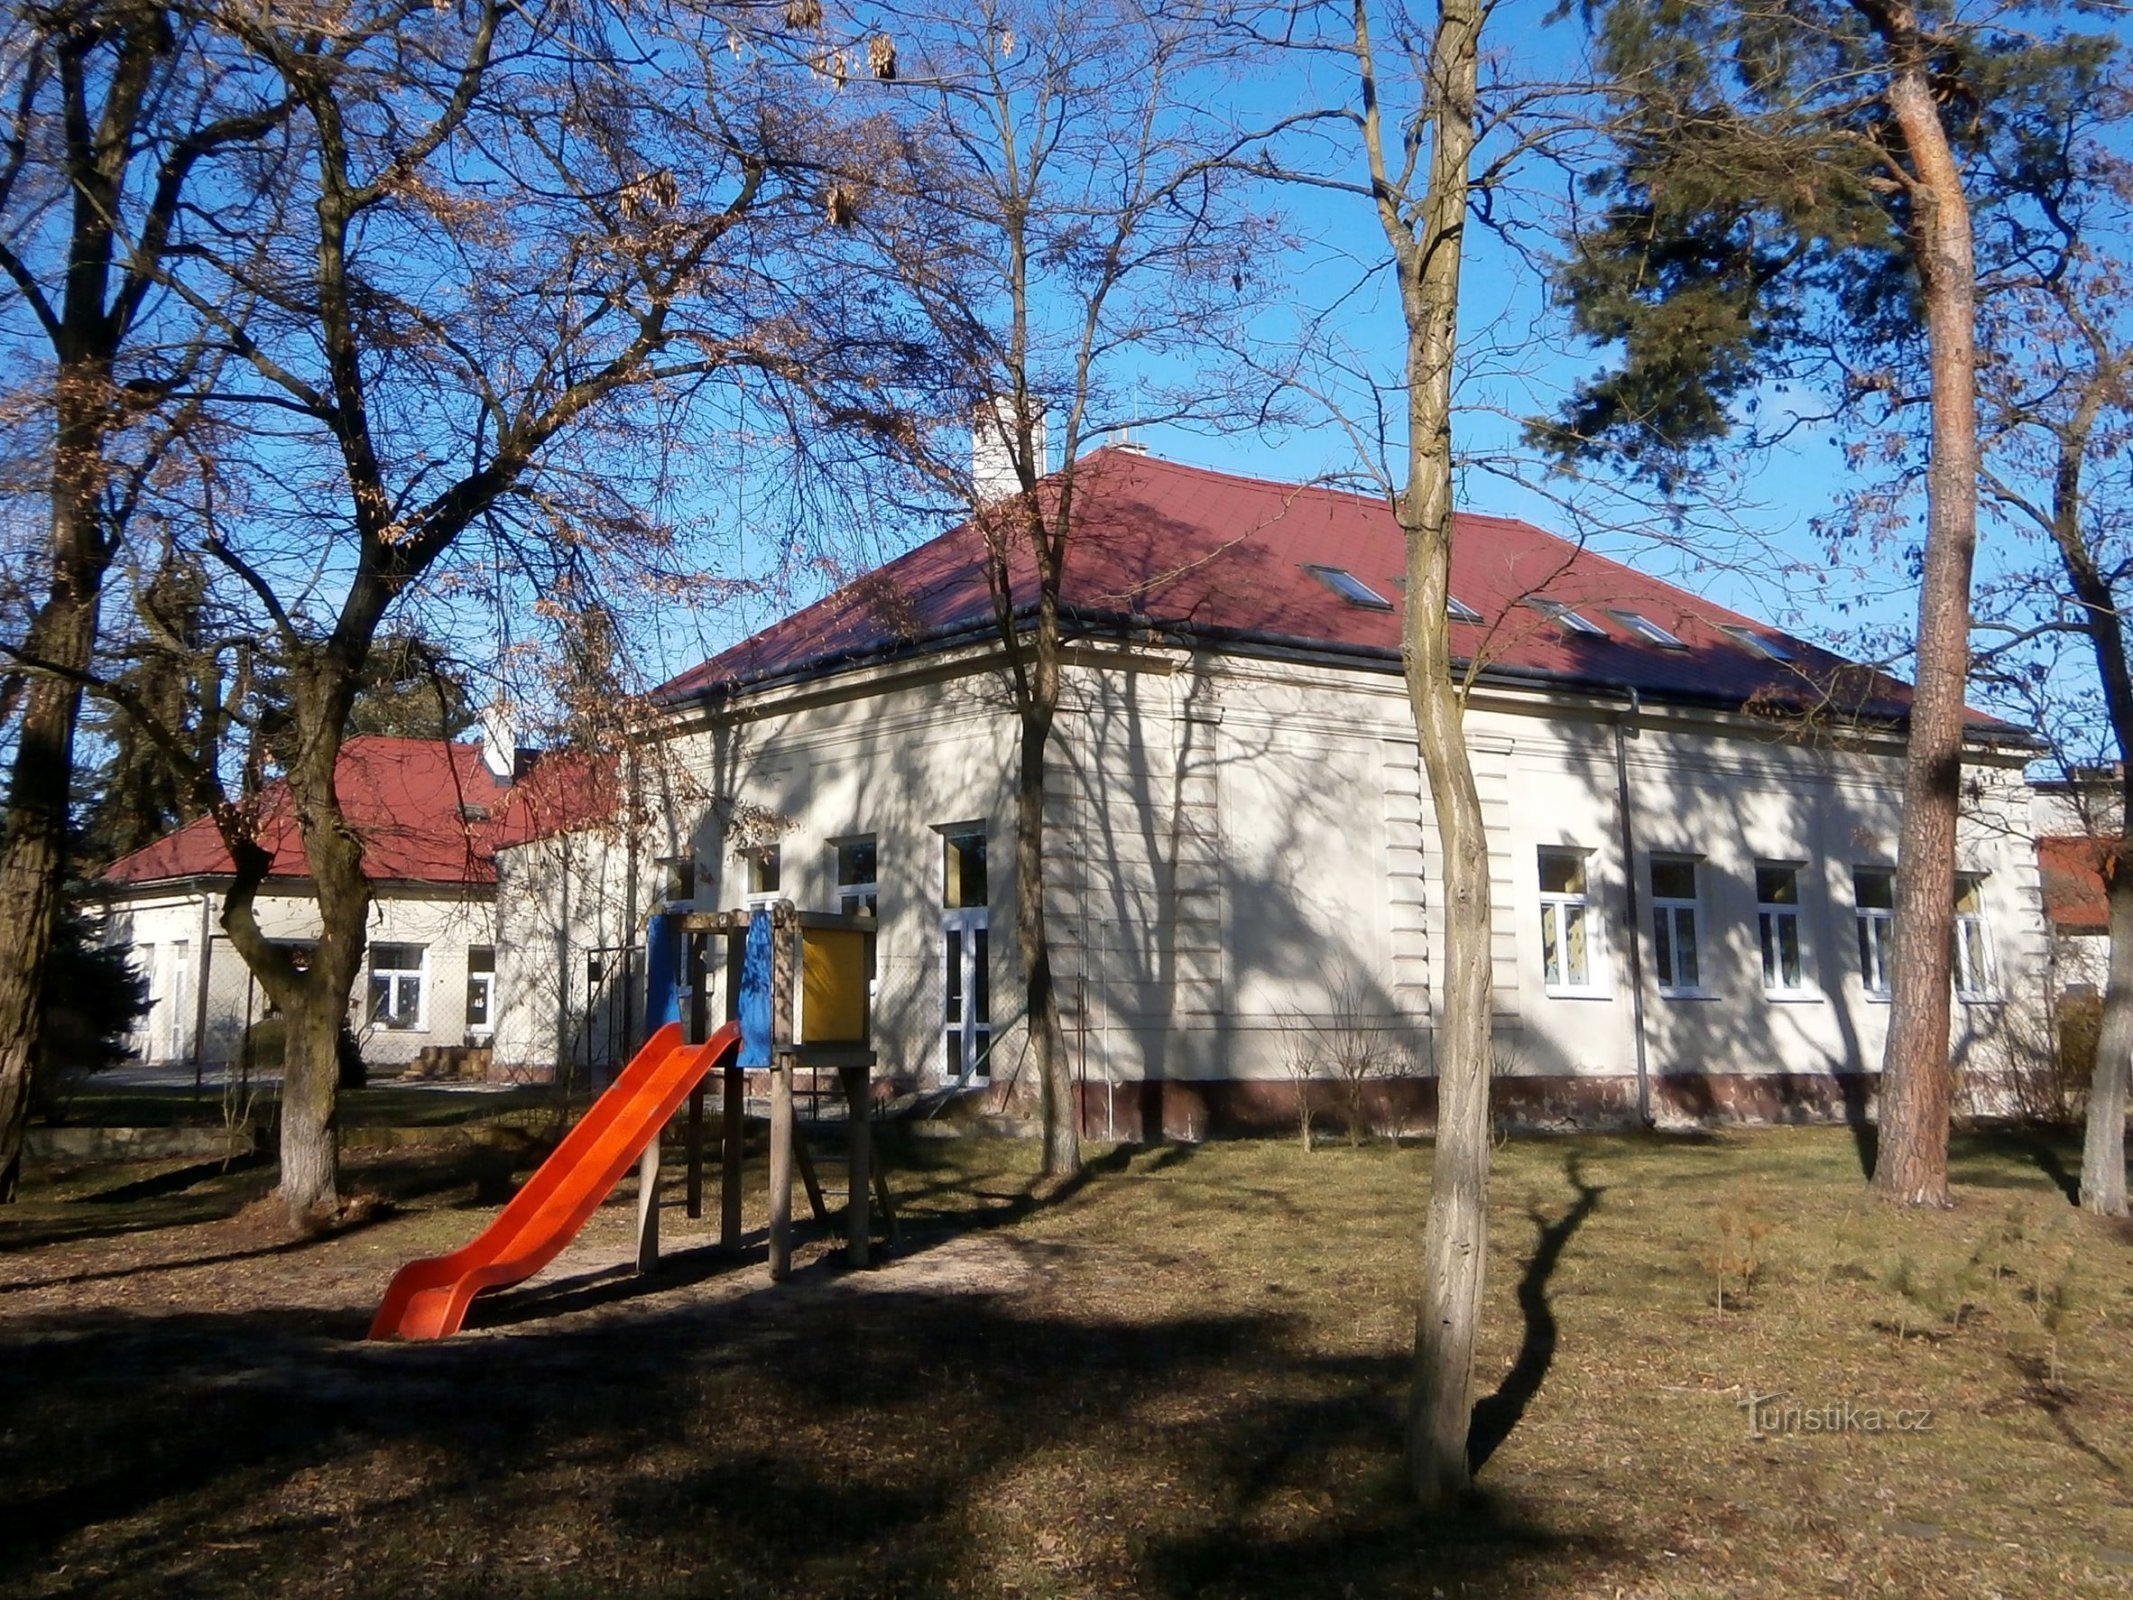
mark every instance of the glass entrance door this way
{"type": "Point", "coordinates": [966, 986]}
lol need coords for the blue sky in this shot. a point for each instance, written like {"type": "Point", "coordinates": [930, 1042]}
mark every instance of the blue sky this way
{"type": "Point", "coordinates": [1758, 551]}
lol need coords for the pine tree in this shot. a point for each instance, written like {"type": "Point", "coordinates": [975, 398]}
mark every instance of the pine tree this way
{"type": "Point", "coordinates": [1800, 193]}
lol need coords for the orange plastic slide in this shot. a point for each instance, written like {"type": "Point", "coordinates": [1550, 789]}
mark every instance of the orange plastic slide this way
{"type": "Point", "coordinates": [428, 1299]}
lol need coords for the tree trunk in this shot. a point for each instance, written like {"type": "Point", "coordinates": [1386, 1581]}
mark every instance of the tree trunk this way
{"type": "Point", "coordinates": [1055, 1081]}
{"type": "Point", "coordinates": [1455, 1241]}
{"type": "Point", "coordinates": [2103, 1147]}
{"type": "Point", "coordinates": [33, 853]}
{"type": "Point", "coordinates": [310, 1120]}
{"type": "Point", "coordinates": [1911, 1167]}
{"type": "Point", "coordinates": [315, 1000]}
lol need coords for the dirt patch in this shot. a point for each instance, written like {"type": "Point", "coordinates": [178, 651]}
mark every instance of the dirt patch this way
{"type": "Point", "coordinates": [1180, 1377]}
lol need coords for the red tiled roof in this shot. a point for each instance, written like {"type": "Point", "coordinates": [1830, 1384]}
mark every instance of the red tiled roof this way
{"type": "Point", "coordinates": [2072, 869]}
{"type": "Point", "coordinates": [1224, 556]}
{"type": "Point", "coordinates": [426, 811]}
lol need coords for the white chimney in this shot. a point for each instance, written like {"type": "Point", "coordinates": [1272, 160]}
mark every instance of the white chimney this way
{"type": "Point", "coordinates": [499, 740]}
{"type": "Point", "coordinates": [992, 450]}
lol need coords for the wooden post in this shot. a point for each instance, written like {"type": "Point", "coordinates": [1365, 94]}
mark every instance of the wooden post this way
{"type": "Point", "coordinates": [888, 1206]}
{"type": "Point", "coordinates": [804, 1159]}
{"type": "Point", "coordinates": [858, 1219]}
{"type": "Point", "coordinates": [648, 1207]}
{"type": "Point", "coordinates": [696, 968]}
{"type": "Point", "coordinates": [780, 1165]}
{"type": "Point", "coordinates": [784, 961]}
{"type": "Point", "coordinates": [696, 1151]}
{"type": "Point", "coordinates": [734, 1135]}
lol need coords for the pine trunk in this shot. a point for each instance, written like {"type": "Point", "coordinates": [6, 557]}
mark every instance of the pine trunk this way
{"type": "Point", "coordinates": [2103, 1147]}
{"type": "Point", "coordinates": [1917, 1079]}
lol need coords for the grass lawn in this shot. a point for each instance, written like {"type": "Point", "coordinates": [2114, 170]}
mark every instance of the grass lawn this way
{"type": "Point", "coordinates": [1179, 1377]}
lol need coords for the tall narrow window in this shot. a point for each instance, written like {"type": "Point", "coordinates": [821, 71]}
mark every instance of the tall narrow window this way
{"type": "Point", "coordinates": [144, 965]}
{"type": "Point", "coordinates": [396, 986]}
{"type": "Point", "coordinates": [1777, 917]}
{"type": "Point", "coordinates": [966, 985]}
{"type": "Point", "coordinates": [1973, 952]}
{"type": "Point", "coordinates": [857, 877]}
{"type": "Point", "coordinates": [481, 992]}
{"type": "Point", "coordinates": [1566, 914]}
{"type": "Point", "coordinates": [181, 999]}
{"type": "Point", "coordinates": [1676, 960]}
{"type": "Point", "coordinates": [1874, 902]}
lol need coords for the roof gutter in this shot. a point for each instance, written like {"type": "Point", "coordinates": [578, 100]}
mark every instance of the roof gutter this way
{"type": "Point", "coordinates": [1185, 635]}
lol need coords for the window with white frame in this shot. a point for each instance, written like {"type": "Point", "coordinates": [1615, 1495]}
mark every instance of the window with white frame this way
{"type": "Point", "coordinates": [1677, 959]}
{"type": "Point", "coordinates": [181, 998]}
{"type": "Point", "coordinates": [858, 876]}
{"type": "Point", "coordinates": [1777, 919]}
{"type": "Point", "coordinates": [765, 873]}
{"type": "Point", "coordinates": [481, 991]}
{"type": "Point", "coordinates": [1874, 904]}
{"type": "Point", "coordinates": [1566, 922]}
{"type": "Point", "coordinates": [396, 972]}
{"type": "Point", "coordinates": [1973, 950]}
{"type": "Point", "coordinates": [144, 966]}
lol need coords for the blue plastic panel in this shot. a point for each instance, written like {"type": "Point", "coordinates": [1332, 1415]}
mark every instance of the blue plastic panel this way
{"type": "Point", "coordinates": [662, 973]}
{"type": "Point", "coordinates": [755, 991]}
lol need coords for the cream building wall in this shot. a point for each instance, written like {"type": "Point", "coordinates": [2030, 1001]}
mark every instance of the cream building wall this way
{"type": "Point", "coordinates": [1242, 857]}
{"type": "Point", "coordinates": [168, 928]}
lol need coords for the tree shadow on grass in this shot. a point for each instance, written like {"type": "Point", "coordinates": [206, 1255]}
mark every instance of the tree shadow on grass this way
{"type": "Point", "coordinates": [953, 1205]}
{"type": "Point", "coordinates": [1985, 1153]}
{"type": "Point", "coordinates": [1497, 1414]}
{"type": "Point", "coordinates": [863, 1444]}
{"type": "Point", "coordinates": [176, 1181]}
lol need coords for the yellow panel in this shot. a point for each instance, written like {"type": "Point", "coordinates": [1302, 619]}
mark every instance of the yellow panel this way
{"type": "Point", "coordinates": [833, 986]}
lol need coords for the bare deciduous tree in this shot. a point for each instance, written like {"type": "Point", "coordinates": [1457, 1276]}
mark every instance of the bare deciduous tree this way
{"type": "Point", "coordinates": [2058, 402]}
{"type": "Point", "coordinates": [124, 122]}
{"type": "Point", "coordinates": [1062, 205]}
{"type": "Point", "coordinates": [521, 243]}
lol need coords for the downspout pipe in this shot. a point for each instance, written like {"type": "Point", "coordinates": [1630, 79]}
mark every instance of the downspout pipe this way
{"type": "Point", "coordinates": [1625, 724]}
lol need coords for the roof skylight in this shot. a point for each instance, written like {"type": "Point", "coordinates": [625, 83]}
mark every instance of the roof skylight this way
{"type": "Point", "coordinates": [1556, 611]}
{"type": "Point", "coordinates": [1648, 630]}
{"type": "Point", "coordinates": [1454, 607]}
{"type": "Point", "coordinates": [1762, 644]}
{"type": "Point", "coordinates": [1348, 586]}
